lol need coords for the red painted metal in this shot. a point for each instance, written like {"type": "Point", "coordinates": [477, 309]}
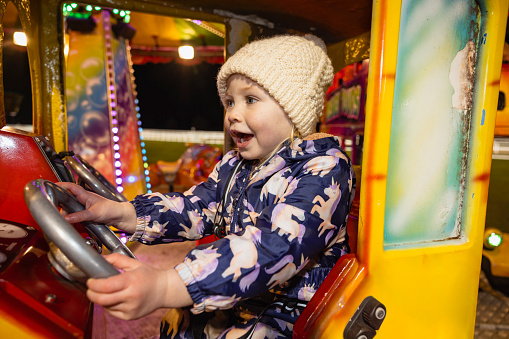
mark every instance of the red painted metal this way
{"type": "Point", "coordinates": [325, 297]}
{"type": "Point", "coordinates": [21, 160]}
{"type": "Point", "coordinates": [31, 291]}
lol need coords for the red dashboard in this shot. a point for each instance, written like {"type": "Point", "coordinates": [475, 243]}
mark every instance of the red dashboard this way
{"type": "Point", "coordinates": [34, 298]}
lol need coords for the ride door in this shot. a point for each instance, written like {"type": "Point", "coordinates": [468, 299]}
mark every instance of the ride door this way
{"type": "Point", "coordinates": [430, 114]}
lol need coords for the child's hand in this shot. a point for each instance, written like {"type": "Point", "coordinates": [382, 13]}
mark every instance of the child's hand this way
{"type": "Point", "coordinates": [138, 291]}
{"type": "Point", "coordinates": [122, 215]}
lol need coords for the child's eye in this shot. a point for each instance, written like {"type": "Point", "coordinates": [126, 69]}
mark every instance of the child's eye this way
{"type": "Point", "coordinates": [229, 103]}
{"type": "Point", "coordinates": [251, 100]}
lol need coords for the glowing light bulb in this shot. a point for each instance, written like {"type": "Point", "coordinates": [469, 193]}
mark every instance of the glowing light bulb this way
{"type": "Point", "coordinates": [186, 52]}
{"type": "Point", "coordinates": [20, 38]}
{"type": "Point", "coordinates": [495, 239]}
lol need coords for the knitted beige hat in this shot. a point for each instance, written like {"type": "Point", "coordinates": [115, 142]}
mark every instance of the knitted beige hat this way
{"type": "Point", "coordinates": [294, 70]}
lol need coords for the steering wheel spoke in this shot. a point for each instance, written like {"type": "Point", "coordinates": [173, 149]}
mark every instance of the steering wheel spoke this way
{"type": "Point", "coordinates": [42, 198]}
{"type": "Point", "coordinates": [91, 178]}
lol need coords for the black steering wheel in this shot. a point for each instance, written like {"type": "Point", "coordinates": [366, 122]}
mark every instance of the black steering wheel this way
{"type": "Point", "coordinates": [93, 178]}
{"type": "Point", "coordinates": [42, 198]}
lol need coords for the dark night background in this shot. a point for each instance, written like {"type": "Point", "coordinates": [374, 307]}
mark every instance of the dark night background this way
{"type": "Point", "coordinates": [17, 87]}
{"type": "Point", "coordinates": [174, 96]}
{"type": "Point", "coordinates": [171, 95]}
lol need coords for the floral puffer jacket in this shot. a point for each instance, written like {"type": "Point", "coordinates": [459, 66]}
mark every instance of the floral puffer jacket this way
{"type": "Point", "coordinates": [285, 224]}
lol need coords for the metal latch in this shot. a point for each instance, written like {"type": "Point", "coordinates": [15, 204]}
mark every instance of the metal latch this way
{"type": "Point", "coordinates": [366, 320]}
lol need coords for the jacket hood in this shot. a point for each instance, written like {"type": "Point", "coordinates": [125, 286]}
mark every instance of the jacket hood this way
{"type": "Point", "coordinates": [303, 149]}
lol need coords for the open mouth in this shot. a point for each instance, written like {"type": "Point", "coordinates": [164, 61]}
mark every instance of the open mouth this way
{"type": "Point", "coordinates": [241, 138]}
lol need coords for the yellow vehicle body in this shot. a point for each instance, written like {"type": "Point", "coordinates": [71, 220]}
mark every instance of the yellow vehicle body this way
{"type": "Point", "coordinates": [426, 162]}
{"type": "Point", "coordinates": [502, 121]}
{"type": "Point", "coordinates": [495, 262]}
{"type": "Point", "coordinates": [427, 282]}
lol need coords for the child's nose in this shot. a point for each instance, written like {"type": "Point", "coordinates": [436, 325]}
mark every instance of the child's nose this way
{"type": "Point", "coordinates": [234, 115]}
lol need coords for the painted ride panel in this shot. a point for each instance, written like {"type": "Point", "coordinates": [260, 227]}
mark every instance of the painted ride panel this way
{"type": "Point", "coordinates": [427, 140]}
{"type": "Point", "coordinates": [430, 115]}
{"type": "Point", "coordinates": [35, 301]}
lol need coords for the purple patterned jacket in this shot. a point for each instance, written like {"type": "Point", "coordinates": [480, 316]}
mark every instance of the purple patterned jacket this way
{"type": "Point", "coordinates": [286, 224]}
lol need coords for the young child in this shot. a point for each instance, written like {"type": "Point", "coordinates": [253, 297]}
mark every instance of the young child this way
{"type": "Point", "coordinates": [278, 205]}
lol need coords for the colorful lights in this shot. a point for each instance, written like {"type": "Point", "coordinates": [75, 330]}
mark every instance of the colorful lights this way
{"type": "Point", "coordinates": [138, 115]}
{"type": "Point", "coordinates": [112, 99]}
{"type": "Point", "coordinates": [123, 238]}
{"type": "Point", "coordinates": [493, 238]}
{"type": "Point", "coordinates": [84, 11]}
{"type": "Point", "coordinates": [119, 106]}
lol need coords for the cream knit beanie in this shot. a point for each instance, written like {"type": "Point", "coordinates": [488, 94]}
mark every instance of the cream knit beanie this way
{"type": "Point", "coordinates": [294, 70]}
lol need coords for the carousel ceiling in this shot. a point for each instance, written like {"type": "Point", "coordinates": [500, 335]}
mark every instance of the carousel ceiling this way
{"type": "Point", "coordinates": [159, 30]}
{"type": "Point", "coordinates": [158, 35]}
{"type": "Point", "coordinates": [332, 20]}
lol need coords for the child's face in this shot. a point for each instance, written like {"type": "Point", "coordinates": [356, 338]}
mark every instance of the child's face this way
{"type": "Point", "coordinates": [256, 122]}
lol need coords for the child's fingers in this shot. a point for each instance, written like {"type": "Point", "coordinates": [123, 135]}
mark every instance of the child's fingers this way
{"type": "Point", "coordinates": [119, 314]}
{"type": "Point", "coordinates": [115, 283]}
{"type": "Point", "coordinates": [73, 188]}
{"type": "Point", "coordinates": [79, 192]}
{"type": "Point", "coordinates": [76, 217]}
{"type": "Point", "coordinates": [122, 262]}
{"type": "Point", "coordinates": [109, 285]}
{"type": "Point", "coordinates": [105, 299]}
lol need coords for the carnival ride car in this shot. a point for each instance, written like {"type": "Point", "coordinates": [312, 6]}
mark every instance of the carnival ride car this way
{"type": "Point", "coordinates": [193, 167]}
{"type": "Point", "coordinates": [429, 126]}
{"type": "Point", "coordinates": [495, 255]}
{"type": "Point", "coordinates": [38, 280]}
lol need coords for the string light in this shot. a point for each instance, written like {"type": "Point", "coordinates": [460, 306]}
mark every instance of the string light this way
{"type": "Point", "coordinates": [112, 99]}
{"type": "Point", "coordinates": [138, 115]}
{"type": "Point", "coordinates": [73, 10]}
